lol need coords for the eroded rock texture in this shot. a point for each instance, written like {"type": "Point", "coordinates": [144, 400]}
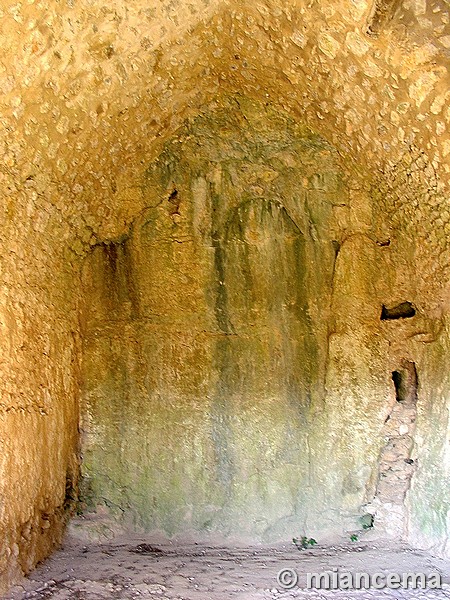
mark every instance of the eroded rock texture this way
{"type": "Point", "coordinates": [206, 329]}
{"type": "Point", "coordinates": [251, 183]}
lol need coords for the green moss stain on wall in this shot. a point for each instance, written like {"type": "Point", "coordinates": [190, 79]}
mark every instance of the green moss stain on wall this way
{"type": "Point", "coordinates": [428, 500]}
{"type": "Point", "coordinates": [206, 335]}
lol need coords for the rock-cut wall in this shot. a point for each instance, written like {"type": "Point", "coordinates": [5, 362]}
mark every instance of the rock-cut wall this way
{"type": "Point", "coordinates": [91, 91]}
{"type": "Point", "coordinates": [206, 335]}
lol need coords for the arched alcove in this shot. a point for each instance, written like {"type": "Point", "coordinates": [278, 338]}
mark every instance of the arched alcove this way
{"type": "Point", "coordinates": [133, 131]}
{"type": "Point", "coordinates": [209, 398]}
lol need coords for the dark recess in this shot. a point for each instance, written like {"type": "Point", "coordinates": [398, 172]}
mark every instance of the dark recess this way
{"type": "Point", "coordinates": [405, 310]}
{"type": "Point", "coordinates": [383, 13]}
{"type": "Point", "coordinates": [71, 495]}
{"type": "Point", "coordinates": [406, 382]}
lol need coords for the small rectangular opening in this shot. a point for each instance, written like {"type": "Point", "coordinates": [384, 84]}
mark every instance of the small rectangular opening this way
{"type": "Point", "coordinates": [406, 382]}
{"type": "Point", "coordinates": [404, 310]}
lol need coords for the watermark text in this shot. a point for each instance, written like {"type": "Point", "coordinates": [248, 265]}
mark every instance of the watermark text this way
{"type": "Point", "coordinates": [345, 580]}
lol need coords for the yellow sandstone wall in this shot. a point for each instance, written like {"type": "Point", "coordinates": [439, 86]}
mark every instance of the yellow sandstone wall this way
{"type": "Point", "coordinates": [92, 94]}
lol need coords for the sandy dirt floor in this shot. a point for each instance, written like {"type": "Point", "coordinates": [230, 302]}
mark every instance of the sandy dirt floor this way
{"type": "Point", "coordinates": [144, 567]}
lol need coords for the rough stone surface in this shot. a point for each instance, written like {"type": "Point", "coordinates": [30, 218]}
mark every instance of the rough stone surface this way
{"type": "Point", "coordinates": [206, 331]}
{"type": "Point", "coordinates": [92, 95]}
{"type": "Point", "coordinates": [133, 566]}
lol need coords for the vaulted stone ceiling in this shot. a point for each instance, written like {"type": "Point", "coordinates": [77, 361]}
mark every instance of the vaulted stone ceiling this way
{"type": "Point", "coordinates": [91, 92]}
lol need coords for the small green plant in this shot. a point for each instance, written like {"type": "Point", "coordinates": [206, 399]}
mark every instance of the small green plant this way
{"type": "Point", "coordinates": [367, 521]}
{"type": "Point", "coordinates": [353, 537]}
{"type": "Point", "coordinates": [304, 542]}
